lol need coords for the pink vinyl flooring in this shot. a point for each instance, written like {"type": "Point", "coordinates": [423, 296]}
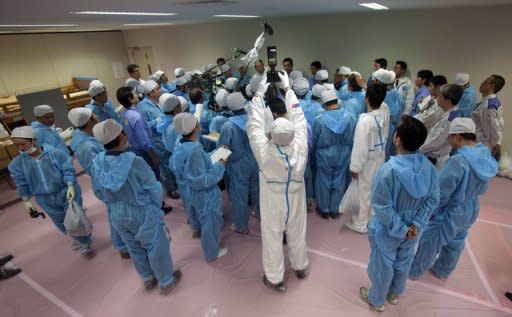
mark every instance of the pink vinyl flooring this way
{"type": "Point", "coordinates": [58, 282]}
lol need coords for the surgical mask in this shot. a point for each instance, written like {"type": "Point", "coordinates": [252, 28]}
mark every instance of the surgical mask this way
{"type": "Point", "coordinates": [30, 151]}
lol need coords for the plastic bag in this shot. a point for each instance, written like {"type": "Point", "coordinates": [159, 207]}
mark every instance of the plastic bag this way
{"type": "Point", "coordinates": [505, 165]}
{"type": "Point", "coordinates": [350, 202]}
{"type": "Point", "coordinates": [76, 222]}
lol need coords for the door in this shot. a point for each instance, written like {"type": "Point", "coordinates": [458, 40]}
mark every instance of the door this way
{"type": "Point", "coordinates": [143, 56]}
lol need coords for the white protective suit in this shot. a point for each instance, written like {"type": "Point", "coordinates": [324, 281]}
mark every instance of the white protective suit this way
{"type": "Point", "coordinates": [282, 188]}
{"type": "Point", "coordinates": [405, 88]}
{"type": "Point", "coordinates": [368, 155]}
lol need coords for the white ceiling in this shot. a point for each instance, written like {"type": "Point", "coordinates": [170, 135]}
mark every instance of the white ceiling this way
{"type": "Point", "coordinates": [188, 11]}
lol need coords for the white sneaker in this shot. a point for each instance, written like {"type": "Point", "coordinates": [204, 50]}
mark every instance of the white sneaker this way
{"type": "Point", "coordinates": [222, 252]}
{"type": "Point", "coordinates": [75, 245]}
{"type": "Point", "coordinates": [392, 299]}
{"type": "Point", "coordinates": [355, 229]}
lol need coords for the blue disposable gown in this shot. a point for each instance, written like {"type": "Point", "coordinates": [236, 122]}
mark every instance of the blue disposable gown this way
{"type": "Point", "coordinates": [49, 136]}
{"type": "Point", "coordinates": [219, 120]}
{"type": "Point", "coordinates": [333, 136]}
{"type": "Point", "coordinates": [46, 179]}
{"type": "Point", "coordinates": [355, 103]}
{"type": "Point", "coordinates": [395, 108]}
{"type": "Point", "coordinates": [241, 169]}
{"type": "Point", "coordinates": [134, 196]}
{"type": "Point", "coordinates": [107, 111]}
{"type": "Point", "coordinates": [468, 102]}
{"type": "Point", "coordinates": [463, 178]}
{"type": "Point", "coordinates": [160, 148]}
{"type": "Point", "coordinates": [311, 109]}
{"type": "Point", "coordinates": [150, 112]}
{"type": "Point", "coordinates": [404, 192]}
{"type": "Point", "coordinates": [194, 169]}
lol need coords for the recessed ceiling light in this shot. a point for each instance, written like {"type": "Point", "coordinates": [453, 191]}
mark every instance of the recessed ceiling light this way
{"type": "Point", "coordinates": [146, 24]}
{"type": "Point", "coordinates": [235, 16]}
{"type": "Point", "coordinates": [122, 13]}
{"type": "Point", "coordinates": [35, 25]}
{"type": "Point", "coordinates": [374, 6]}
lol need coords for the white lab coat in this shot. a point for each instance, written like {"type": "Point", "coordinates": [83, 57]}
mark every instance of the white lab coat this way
{"type": "Point", "coordinates": [368, 154]}
{"type": "Point", "coordinates": [282, 189]}
{"type": "Point", "coordinates": [405, 88]}
{"type": "Point", "coordinates": [489, 122]}
{"type": "Point", "coordinates": [430, 112]}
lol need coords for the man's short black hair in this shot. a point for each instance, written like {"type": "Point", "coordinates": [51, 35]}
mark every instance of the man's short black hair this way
{"type": "Point", "coordinates": [403, 65]}
{"type": "Point", "coordinates": [289, 60]}
{"type": "Point", "coordinates": [124, 94]}
{"type": "Point", "coordinates": [452, 92]}
{"type": "Point", "coordinates": [277, 106]}
{"type": "Point", "coordinates": [382, 62]}
{"type": "Point", "coordinates": [317, 64]}
{"type": "Point", "coordinates": [221, 59]}
{"type": "Point", "coordinates": [376, 94]}
{"type": "Point", "coordinates": [498, 82]}
{"type": "Point", "coordinates": [427, 75]}
{"type": "Point", "coordinates": [439, 80]}
{"type": "Point", "coordinates": [131, 68]}
{"type": "Point", "coordinates": [468, 136]}
{"type": "Point", "coordinates": [412, 133]}
{"type": "Point", "coordinates": [195, 95]}
{"type": "Point", "coordinates": [112, 144]}
{"type": "Point", "coordinates": [352, 83]}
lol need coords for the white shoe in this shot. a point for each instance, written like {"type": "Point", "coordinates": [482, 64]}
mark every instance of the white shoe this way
{"type": "Point", "coordinates": [222, 252]}
{"type": "Point", "coordinates": [355, 229]}
{"type": "Point", "coordinates": [392, 299]}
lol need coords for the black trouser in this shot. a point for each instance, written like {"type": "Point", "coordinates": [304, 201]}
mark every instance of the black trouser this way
{"type": "Point", "coordinates": [432, 160]}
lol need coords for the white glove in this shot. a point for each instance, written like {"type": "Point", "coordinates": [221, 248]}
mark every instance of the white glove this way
{"type": "Point", "coordinates": [285, 81]}
{"type": "Point", "coordinates": [199, 111]}
{"type": "Point", "coordinates": [70, 194]}
{"type": "Point", "coordinates": [262, 86]}
{"type": "Point", "coordinates": [29, 207]}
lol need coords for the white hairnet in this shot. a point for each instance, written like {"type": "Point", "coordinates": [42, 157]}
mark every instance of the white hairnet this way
{"type": "Point", "coordinates": [79, 116]}
{"type": "Point", "coordinates": [221, 98]}
{"type": "Point", "coordinates": [158, 74]}
{"type": "Point", "coordinates": [106, 131]}
{"type": "Point", "coordinates": [153, 77]}
{"type": "Point", "coordinates": [132, 82]}
{"type": "Point", "coordinates": [300, 86]}
{"type": "Point", "coordinates": [149, 86]}
{"type": "Point", "coordinates": [386, 77]}
{"type": "Point", "coordinates": [329, 95]}
{"type": "Point", "coordinates": [282, 131]}
{"type": "Point", "coordinates": [25, 132]}
{"type": "Point", "coordinates": [179, 72]}
{"type": "Point", "coordinates": [224, 68]}
{"type": "Point", "coordinates": [236, 101]}
{"type": "Point", "coordinates": [41, 110]}
{"type": "Point", "coordinates": [184, 123]}
{"type": "Point", "coordinates": [461, 79]}
{"type": "Point", "coordinates": [462, 125]}
{"type": "Point", "coordinates": [322, 74]}
{"type": "Point", "coordinates": [168, 102]}
{"type": "Point", "coordinates": [317, 90]}
{"type": "Point", "coordinates": [345, 71]}
{"type": "Point", "coordinates": [96, 87]}
{"type": "Point", "coordinates": [295, 74]}
{"type": "Point", "coordinates": [231, 83]}
{"type": "Point", "coordinates": [181, 81]}
{"type": "Point", "coordinates": [184, 103]}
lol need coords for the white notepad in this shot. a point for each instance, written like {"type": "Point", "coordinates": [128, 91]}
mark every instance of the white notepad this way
{"type": "Point", "coordinates": [220, 154]}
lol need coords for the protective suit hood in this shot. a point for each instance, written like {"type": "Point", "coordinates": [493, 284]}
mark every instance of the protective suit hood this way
{"type": "Point", "coordinates": [337, 120]}
{"type": "Point", "coordinates": [480, 160]}
{"type": "Point", "coordinates": [103, 164]}
{"type": "Point", "coordinates": [413, 172]}
{"type": "Point", "coordinates": [240, 121]}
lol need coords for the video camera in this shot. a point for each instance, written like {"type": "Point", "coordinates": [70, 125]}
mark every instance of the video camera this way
{"type": "Point", "coordinates": [272, 76]}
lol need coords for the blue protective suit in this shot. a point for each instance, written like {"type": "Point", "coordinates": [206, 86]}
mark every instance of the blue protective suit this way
{"type": "Point", "coordinates": [49, 136]}
{"type": "Point", "coordinates": [422, 93]}
{"type": "Point", "coordinates": [355, 103]}
{"type": "Point", "coordinates": [150, 112]}
{"type": "Point", "coordinates": [195, 171]}
{"type": "Point", "coordinates": [333, 136]}
{"type": "Point", "coordinates": [395, 111]}
{"type": "Point", "coordinates": [46, 179]}
{"type": "Point", "coordinates": [405, 191]}
{"type": "Point", "coordinates": [218, 121]}
{"type": "Point", "coordinates": [86, 148]}
{"type": "Point", "coordinates": [463, 178]}
{"type": "Point", "coordinates": [468, 102]}
{"type": "Point", "coordinates": [241, 169]}
{"type": "Point", "coordinates": [311, 109]}
{"type": "Point", "coordinates": [160, 148]}
{"type": "Point", "coordinates": [342, 92]}
{"type": "Point", "coordinates": [135, 196]}
{"type": "Point", "coordinates": [107, 111]}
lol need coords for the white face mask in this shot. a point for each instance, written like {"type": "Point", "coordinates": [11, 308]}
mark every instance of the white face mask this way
{"type": "Point", "coordinates": [31, 150]}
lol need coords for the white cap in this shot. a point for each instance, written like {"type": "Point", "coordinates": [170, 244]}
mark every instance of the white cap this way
{"type": "Point", "coordinates": [236, 101]}
{"type": "Point", "coordinates": [132, 82]}
{"type": "Point", "coordinates": [96, 87]}
{"type": "Point", "coordinates": [221, 98]}
{"type": "Point", "coordinates": [231, 83]}
{"type": "Point", "coordinates": [322, 74]}
{"type": "Point", "coordinates": [188, 76]}
{"type": "Point", "coordinates": [153, 77]}
{"type": "Point", "coordinates": [184, 123]}
{"type": "Point", "coordinates": [255, 82]}
{"type": "Point", "coordinates": [106, 131]}
{"type": "Point", "coordinates": [300, 86]}
{"type": "Point", "coordinates": [181, 81]}
{"type": "Point", "coordinates": [149, 86]}
{"type": "Point", "coordinates": [25, 132]}
{"type": "Point", "coordinates": [295, 74]}
{"type": "Point", "coordinates": [282, 131]}
{"type": "Point", "coordinates": [248, 91]}
{"type": "Point", "coordinates": [461, 79]}
{"type": "Point", "coordinates": [224, 68]}
{"type": "Point", "coordinates": [329, 95]}
{"type": "Point", "coordinates": [462, 125]}
{"type": "Point", "coordinates": [386, 77]}
{"type": "Point", "coordinates": [179, 72]}
{"type": "Point", "coordinates": [184, 103]}
{"type": "Point", "coordinates": [41, 110]}
{"type": "Point", "coordinates": [158, 74]}
{"type": "Point", "coordinates": [79, 116]}
{"type": "Point", "coordinates": [317, 90]}
{"type": "Point", "coordinates": [197, 72]}
{"type": "Point", "coordinates": [345, 71]}
{"type": "Point", "coordinates": [168, 102]}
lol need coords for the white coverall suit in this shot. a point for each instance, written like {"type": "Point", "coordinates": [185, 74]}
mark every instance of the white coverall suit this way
{"type": "Point", "coordinates": [368, 155]}
{"type": "Point", "coordinates": [282, 188]}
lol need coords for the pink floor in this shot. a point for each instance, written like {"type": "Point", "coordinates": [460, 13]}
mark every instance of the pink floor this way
{"type": "Point", "coordinates": [58, 282]}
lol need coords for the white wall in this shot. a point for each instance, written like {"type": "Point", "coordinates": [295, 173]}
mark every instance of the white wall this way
{"type": "Point", "coordinates": [474, 40]}
{"type": "Point", "coordinates": [35, 62]}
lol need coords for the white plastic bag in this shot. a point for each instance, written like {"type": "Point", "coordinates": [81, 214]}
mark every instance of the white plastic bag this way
{"type": "Point", "coordinates": [350, 202]}
{"type": "Point", "coordinates": [76, 222]}
{"type": "Point", "coordinates": [505, 165]}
